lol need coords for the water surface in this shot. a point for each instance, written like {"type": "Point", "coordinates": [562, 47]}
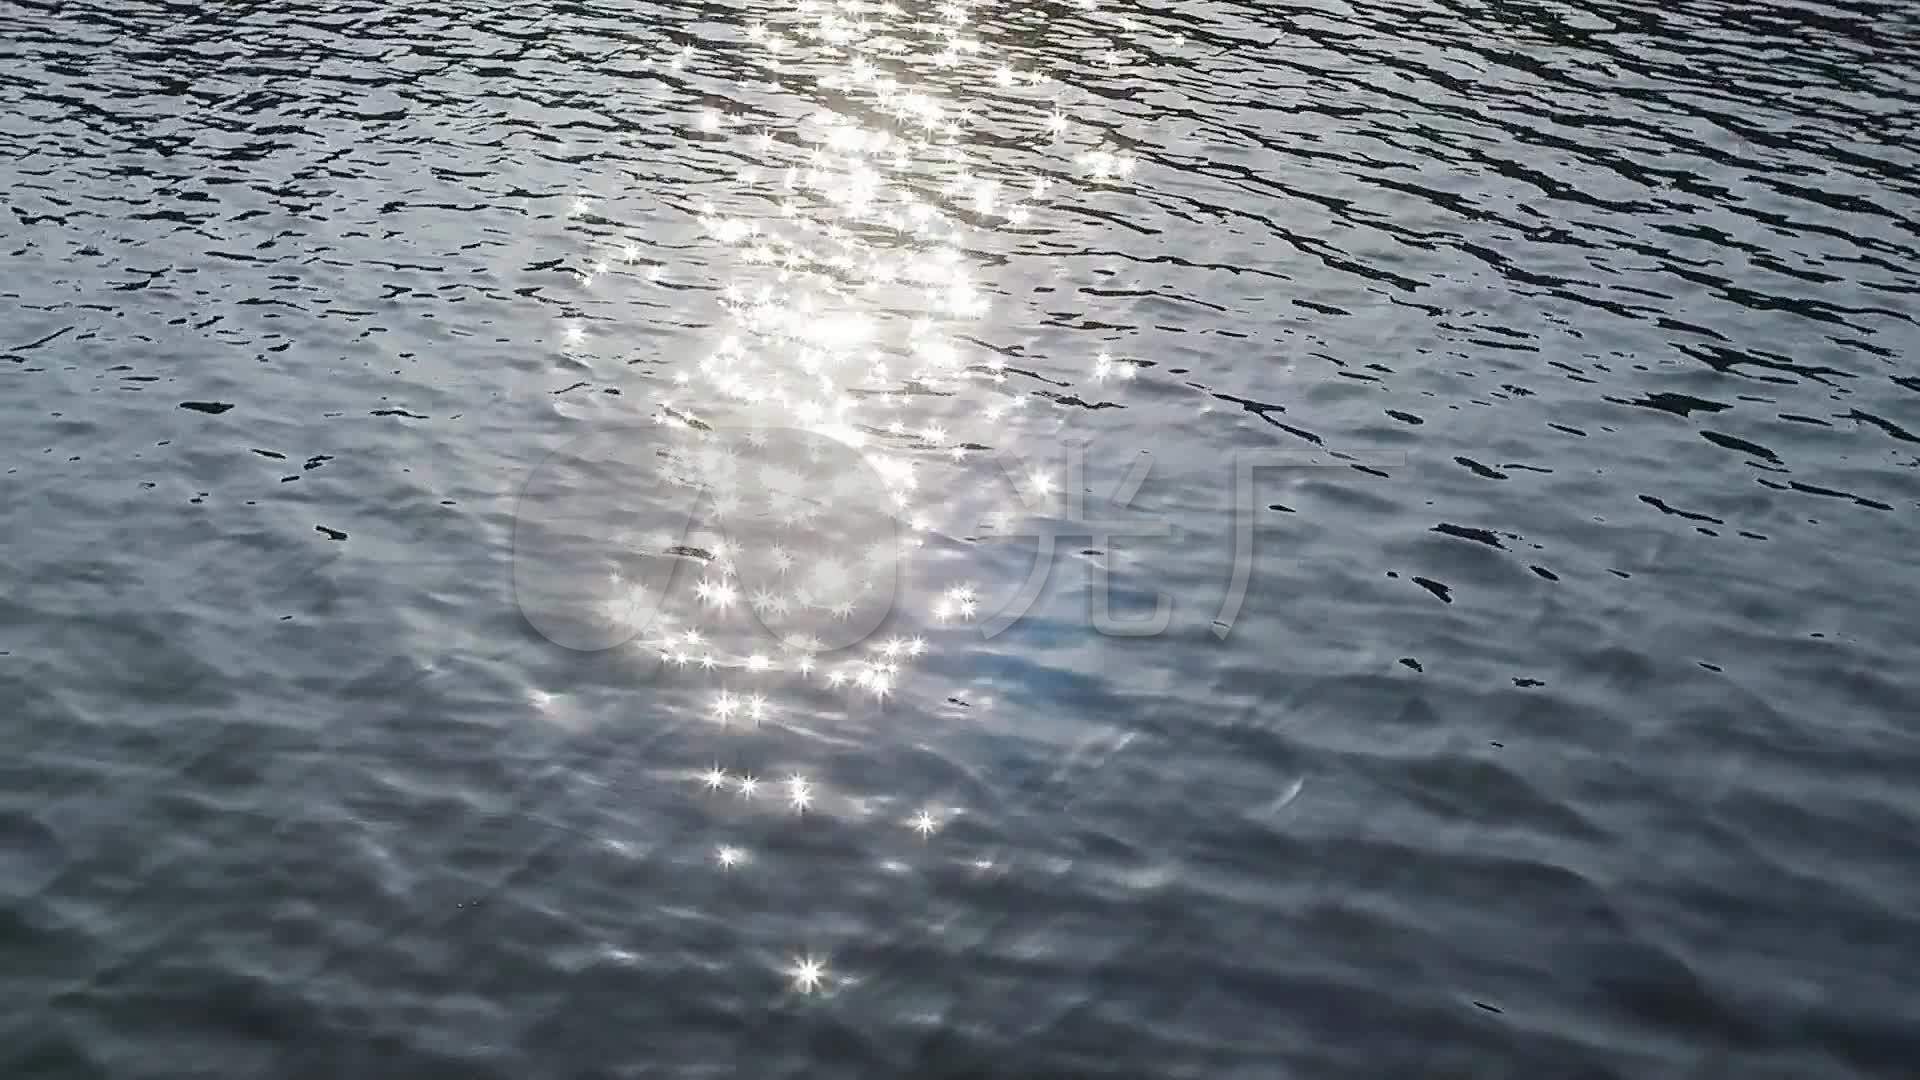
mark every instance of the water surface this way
{"type": "Point", "coordinates": [1563, 730]}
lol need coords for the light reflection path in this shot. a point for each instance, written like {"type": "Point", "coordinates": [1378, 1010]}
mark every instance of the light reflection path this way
{"type": "Point", "coordinates": [829, 423]}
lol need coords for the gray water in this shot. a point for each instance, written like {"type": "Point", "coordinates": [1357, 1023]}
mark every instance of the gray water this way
{"type": "Point", "coordinates": [1564, 728]}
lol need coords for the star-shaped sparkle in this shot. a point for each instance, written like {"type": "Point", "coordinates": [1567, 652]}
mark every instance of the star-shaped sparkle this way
{"type": "Point", "coordinates": [923, 823]}
{"type": "Point", "coordinates": [807, 973]}
{"type": "Point", "coordinates": [799, 793]}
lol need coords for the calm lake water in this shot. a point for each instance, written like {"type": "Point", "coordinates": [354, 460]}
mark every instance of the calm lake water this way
{"type": "Point", "coordinates": [374, 707]}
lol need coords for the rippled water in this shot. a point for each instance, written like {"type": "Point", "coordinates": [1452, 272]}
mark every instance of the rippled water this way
{"type": "Point", "coordinates": [1561, 730]}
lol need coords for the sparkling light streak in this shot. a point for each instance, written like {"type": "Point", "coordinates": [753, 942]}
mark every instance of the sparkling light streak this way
{"type": "Point", "coordinates": [853, 226]}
